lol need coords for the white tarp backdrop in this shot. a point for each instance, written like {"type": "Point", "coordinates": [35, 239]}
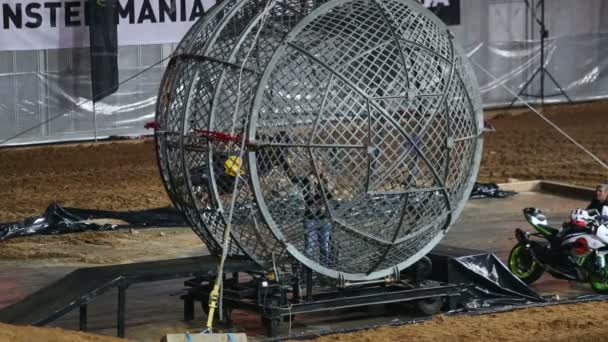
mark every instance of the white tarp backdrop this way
{"type": "Point", "coordinates": [45, 85]}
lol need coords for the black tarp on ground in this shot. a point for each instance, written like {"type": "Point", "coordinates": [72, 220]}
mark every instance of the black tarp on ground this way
{"type": "Point", "coordinates": [489, 190]}
{"type": "Point", "coordinates": [59, 220]}
{"type": "Point", "coordinates": [494, 283]}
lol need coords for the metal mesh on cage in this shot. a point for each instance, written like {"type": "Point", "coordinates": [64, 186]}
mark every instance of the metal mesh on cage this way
{"type": "Point", "coordinates": [353, 128]}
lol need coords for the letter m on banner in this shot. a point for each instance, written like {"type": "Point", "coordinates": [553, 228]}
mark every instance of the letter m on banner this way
{"type": "Point", "coordinates": [104, 48]}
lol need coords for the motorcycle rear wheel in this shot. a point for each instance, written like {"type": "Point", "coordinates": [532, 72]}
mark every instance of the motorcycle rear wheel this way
{"type": "Point", "coordinates": [523, 265]}
{"type": "Point", "coordinates": [598, 283]}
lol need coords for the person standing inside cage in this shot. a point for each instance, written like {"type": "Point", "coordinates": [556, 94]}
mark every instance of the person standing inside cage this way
{"type": "Point", "coordinates": [317, 191]}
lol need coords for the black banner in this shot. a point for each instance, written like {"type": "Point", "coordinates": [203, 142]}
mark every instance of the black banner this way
{"type": "Point", "coordinates": [103, 34]}
{"type": "Point", "coordinates": [446, 10]}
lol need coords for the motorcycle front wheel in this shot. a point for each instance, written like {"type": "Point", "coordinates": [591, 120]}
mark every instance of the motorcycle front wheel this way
{"type": "Point", "coordinates": [523, 265]}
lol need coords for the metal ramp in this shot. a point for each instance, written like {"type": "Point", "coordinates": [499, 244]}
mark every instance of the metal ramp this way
{"type": "Point", "coordinates": [80, 287]}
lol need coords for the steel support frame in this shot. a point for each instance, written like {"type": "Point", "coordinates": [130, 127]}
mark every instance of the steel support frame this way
{"type": "Point", "coordinates": [274, 306]}
{"type": "Point", "coordinates": [82, 317]}
{"type": "Point", "coordinates": [121, 310]}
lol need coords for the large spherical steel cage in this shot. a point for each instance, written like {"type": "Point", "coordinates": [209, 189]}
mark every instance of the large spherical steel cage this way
{"type": "Point", "coordinates": [359, 124]}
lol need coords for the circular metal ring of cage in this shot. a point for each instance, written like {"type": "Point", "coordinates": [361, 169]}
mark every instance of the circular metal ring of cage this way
{"type": "Point", "coordinates": [363, 121]}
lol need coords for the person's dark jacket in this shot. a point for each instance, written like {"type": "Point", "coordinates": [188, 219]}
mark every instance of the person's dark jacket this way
{"type": "Point", "coordinates": [597, 205]}
{"type": "Point", "coordinates": [315, 205]}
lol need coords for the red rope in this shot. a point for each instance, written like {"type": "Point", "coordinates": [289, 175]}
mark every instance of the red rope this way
{"type": "Point", "coordinates": [211, 135]}
{"type": "Point", "coordinates": [220, 136]}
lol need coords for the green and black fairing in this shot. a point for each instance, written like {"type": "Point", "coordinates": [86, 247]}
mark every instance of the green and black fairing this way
{"type": "Point", "coordinates": [538, 220]}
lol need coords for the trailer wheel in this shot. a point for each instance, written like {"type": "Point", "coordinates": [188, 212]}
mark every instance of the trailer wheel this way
{"type": "Point", "coordinates": [430, 306]}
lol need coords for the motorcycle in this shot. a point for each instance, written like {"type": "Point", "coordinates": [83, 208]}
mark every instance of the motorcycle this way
{"type": "Point", "coordinates": [572, 253]}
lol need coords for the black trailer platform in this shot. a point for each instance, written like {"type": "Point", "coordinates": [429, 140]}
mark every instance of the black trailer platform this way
{"type": "Point", "coordinates": [82, 286]}
{"type": "Point", "coordinates": [457, 276]}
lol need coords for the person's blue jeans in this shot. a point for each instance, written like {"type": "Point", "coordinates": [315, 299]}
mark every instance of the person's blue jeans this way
{"type": "Point", "coordinates": [316, 229]}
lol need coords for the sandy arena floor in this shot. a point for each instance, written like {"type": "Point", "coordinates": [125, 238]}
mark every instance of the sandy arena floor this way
{"type": "Point", "coordinates": [98, 248]}
{"type": "Point", "coordinates": [119, 175]}
{"type": "Point", "coordinates": [123, 175]}
{"type": "Point", "coordinates": [558, 323]}
{"type": "Point", "coordinates": [9, 333]}
{"type": "Point", "coordinates": [525, 147]}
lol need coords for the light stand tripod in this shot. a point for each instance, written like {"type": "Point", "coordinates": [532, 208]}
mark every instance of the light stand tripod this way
{"type": "Point", "coordinates": [542, 71]}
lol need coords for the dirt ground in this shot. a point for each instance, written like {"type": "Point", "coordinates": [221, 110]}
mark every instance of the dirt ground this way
{"type": "Point", "coordinates": [559, 323]}
{"type": "Point", "coordinates": [11, 333]}
{"type": "Point", "coordinates": [95, 248]}
{"type": "Point", "coordinates": [525, 147]}
{"type": "Point", "coordinates": [118, 175]}
{"type": "Point", "coordinates": [123, 175]}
